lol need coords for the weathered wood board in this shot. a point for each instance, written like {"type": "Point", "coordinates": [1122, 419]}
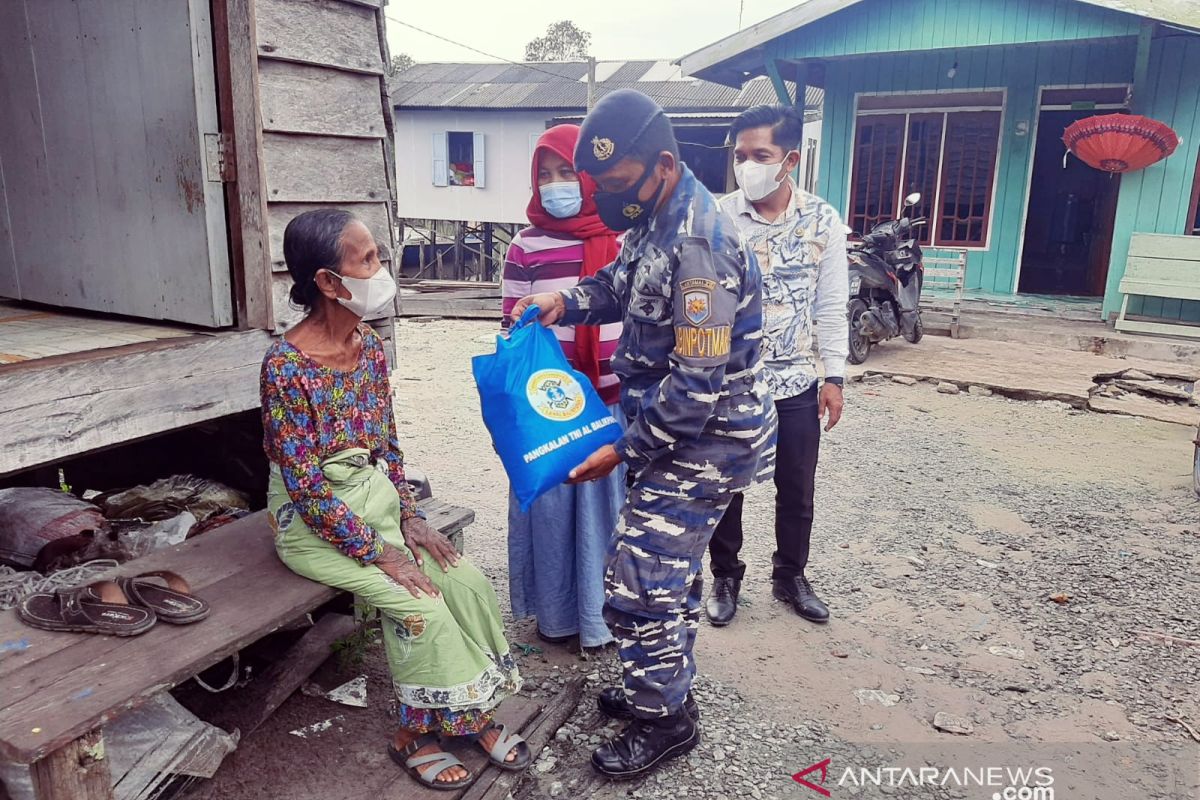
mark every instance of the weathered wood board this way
{"type": "Point", "coordinates": [104, 109]}
{"type": "Point", "coordinates": [374, 215]}
{"type": "Point", "coordinates": [286, 314]}
{"type": "Point", "coordinates": [52, 409]}
{"type": "Point", "coordinates": [298, 98]}
{"type": "Point", "coordinates": [55, 687]}
{"type": "Point", "coordinates": [315, 169]}
{"type": "Point", "coordinates": [328, 32]}
{"type": "Point", "coordinates": [482, 303]}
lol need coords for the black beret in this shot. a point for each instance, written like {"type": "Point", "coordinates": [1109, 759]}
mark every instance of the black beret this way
{"type": "Point", "coordinates": [611, 128]}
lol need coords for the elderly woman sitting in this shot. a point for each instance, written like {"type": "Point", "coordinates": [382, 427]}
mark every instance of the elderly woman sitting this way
{"type": "Point", "coordinates": [345, 516]}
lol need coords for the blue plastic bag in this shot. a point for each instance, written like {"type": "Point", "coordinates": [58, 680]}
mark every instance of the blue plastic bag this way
{"type": "Point", "coordinates": [544, 417]}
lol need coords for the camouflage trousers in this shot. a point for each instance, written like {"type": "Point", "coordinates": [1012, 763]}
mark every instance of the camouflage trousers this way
{"type": "Point", "coordinates": [653, 580]}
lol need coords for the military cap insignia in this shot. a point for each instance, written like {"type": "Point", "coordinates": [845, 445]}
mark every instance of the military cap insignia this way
{"type": "Point", "coordinates": [632, 211]}
{"type": "Point", "coordinates": [602, 148]}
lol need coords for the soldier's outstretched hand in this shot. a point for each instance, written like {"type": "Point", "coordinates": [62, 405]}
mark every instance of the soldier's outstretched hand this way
{"type": "Point", "coordinates": [597, 466]}
{"type": "Point", "coordinates": [551, 304]}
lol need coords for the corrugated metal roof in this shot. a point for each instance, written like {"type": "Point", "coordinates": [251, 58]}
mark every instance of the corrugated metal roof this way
{"type": "Point", "coordinates": [563, 87]}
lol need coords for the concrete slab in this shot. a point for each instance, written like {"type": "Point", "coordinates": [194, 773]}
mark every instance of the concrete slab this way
{"type": "Point", "coordinates": [1070, 334]}
{"type": "Point", "coordinates": [1029, 372]}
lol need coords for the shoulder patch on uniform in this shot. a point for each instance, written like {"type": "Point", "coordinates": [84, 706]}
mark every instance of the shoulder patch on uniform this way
{"type": "Point", "coordinates": [697, 299]}
{"type": "Point", "coordinates": [703, 343]}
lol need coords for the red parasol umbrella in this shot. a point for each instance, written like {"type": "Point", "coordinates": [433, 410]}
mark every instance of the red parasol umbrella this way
{"type": "Point", "coordinates": [1120, 142]}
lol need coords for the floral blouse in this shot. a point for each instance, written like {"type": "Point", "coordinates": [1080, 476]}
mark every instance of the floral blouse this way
{"type": "Point", "coordinates": [310, 412]}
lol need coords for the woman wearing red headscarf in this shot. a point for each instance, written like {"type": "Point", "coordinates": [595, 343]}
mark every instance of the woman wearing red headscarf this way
{"type": "Point", "coordinates": [556, 551]}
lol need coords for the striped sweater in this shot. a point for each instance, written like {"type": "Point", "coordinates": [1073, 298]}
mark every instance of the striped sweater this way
{"type": "Point", "coordinates": [544, 261]}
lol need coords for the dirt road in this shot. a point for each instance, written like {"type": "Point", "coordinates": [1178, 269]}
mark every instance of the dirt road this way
{"type": "Point", "coordinates": [1015, 570]}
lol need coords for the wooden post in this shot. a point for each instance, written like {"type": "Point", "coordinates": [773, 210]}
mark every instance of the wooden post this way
{"type": "Point", "coordinates": [458, 250]}
{"type": "Point", "coordinates": [78, 771]}
{"type": "Point", "coordinates": [437, 254]}
{"type": "Point", "coordinates": [488, 259]}
{"type": "Point", "coordinates": [421, 245]}
{"type": "Point", "coordinates": [781, 90]}
{"type": "Point", "coordinates": [591, 76]}
{"type": "Point", "coordinates": [236, 47]}
{"type": "Point", "coordinates": [1141, 67]}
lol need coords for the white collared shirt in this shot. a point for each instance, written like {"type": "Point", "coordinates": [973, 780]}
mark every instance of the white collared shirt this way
{"type": "Point", "coordinates": [806, 285]}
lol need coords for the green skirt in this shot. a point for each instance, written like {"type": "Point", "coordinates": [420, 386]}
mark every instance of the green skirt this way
{"type": "Point", "coordinates": [448, 656]}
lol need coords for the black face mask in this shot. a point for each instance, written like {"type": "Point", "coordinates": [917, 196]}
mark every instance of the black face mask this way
{"type": "Point", "coordinates": [621, 211]}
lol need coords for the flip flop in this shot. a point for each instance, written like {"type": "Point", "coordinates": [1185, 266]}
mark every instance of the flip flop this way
{"type": "Point", "coordinates": [100, 607]}
{"type": "Point", "coordinates": [440, 761]}
{"type": "Point", "coordinates": [505, 743]}
{"type": "Point", "coordinates": [173, 603]}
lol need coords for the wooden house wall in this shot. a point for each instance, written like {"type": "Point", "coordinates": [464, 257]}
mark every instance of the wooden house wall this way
{"type": "Point", "coordinates": [906, 26]}
{"type": "Point", "coordinates": [1020, 71]}
{"type": "Point", "coordinates": [326, 120]}
{"type": "Point", "coordinates": [1157, 199]}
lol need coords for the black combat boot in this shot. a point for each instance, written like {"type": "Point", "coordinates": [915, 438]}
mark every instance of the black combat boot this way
{"type": "Point", "coordinates": [612, 703]}
{"type": "Point", "coordinates": [722, 603]}
{"type": "Point", "coordinates": [645, 744]}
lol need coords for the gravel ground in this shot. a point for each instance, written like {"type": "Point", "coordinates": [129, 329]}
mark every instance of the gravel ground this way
{"type": "Point", "coordinates": [989, 563]}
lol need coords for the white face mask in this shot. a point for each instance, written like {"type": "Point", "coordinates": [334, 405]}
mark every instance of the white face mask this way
{"type": "Point", "coordinates": [369, 297]}
{"type": "Point", "coordinates": [758, 180]}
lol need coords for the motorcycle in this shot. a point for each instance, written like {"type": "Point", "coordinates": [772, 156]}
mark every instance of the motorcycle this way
{"type": "Point", "coordinates": [886, 276]}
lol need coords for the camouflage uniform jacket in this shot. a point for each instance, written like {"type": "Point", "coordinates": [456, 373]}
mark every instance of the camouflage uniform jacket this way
{"type": "Point", "coordinates": [688, 357]}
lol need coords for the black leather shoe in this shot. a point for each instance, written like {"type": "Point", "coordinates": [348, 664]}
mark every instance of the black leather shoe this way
{"type": "Point", "coordinates": [612, 703]}
{"type": "Point", "coordinates": [798, 593]}
{"type": "Point", "coordinates": [722, 603]}
{"type": "Point", "coordinates": [645, 744]}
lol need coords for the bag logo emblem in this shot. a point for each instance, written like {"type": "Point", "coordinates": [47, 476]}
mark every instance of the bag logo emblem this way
{"type": "Point", "coordinates": [603, 148]}
{"type": "Point", "coordinates": [697, 300]}
{"type": "Point", "coordinates": [555, 395]}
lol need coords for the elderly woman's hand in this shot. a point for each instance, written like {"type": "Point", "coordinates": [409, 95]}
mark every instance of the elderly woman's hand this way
{"type": "Point", "coordinates": [404, 571]}
{"type": "Point", "coordinates": [420, 534]}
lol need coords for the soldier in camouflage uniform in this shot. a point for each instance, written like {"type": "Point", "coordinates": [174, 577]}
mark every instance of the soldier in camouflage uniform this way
{"type": "Point", "coordinates": [702, 423]}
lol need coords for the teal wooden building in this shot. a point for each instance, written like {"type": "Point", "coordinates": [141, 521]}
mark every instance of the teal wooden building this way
{"type": "Point", "coordinates": [965, 101]}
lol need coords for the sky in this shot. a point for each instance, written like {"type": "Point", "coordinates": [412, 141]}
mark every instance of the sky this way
{"type": "Point", "coordinates": [621, 29]}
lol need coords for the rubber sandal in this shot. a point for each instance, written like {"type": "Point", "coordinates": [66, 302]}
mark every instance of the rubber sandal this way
{"type": "Point", "coordinates": [99, 607]}
{"type": "Point", "coordinates": [440, 762]}
{"type": "Point", "coordinates": [505, 743]}
{"type": "Point", "coordinates": [173, 603]}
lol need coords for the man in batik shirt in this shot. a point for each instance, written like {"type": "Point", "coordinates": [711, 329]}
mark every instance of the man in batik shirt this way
{"type": "Point", "coordinates": [800, 245]}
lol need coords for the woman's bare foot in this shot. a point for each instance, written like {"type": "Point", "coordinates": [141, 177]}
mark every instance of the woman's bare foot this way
{"type": "Point", "coordinates": [488, 738]}
{"type": "Point", "coordinates": [404, 738]}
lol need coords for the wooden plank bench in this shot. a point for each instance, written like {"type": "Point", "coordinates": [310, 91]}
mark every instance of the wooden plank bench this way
{"type": "Point", "coordinates": [57, 690]}
{"type": "Point", "coordinates": [1164, 266]}
{"type": "Point", "coordinates": [947, 273]}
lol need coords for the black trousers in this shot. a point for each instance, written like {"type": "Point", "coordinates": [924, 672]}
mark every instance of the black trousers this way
{"type": "Point", "coordinates": [795, 474]}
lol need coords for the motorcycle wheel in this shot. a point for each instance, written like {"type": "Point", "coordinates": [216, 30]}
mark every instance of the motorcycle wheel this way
{"type": "Point", "coordinates": [860, 343]}
{"type": "Point", "coordinates": [917, 332]}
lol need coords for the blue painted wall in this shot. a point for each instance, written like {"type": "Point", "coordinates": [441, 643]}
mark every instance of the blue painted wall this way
{"type": "Point", "coordinates": [1156, 199]}
{"type": "Point", "coordinates": [910, 25]}
{"type": "Point", "coordinates": [882, 46]}
{"type": "Point", "coordinates": [1019, 69]}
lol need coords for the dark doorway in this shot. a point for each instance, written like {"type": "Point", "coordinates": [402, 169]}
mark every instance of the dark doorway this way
{"type": "Point", "coordinates": [703, 149]}
{"type": "Point", "coordinates": [1069, 225]}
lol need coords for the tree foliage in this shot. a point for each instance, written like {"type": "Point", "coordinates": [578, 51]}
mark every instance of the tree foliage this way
{"type": "Point", "coordinates": [399, 64]}
{"type": "Point", "coordinates": [564, 41]}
